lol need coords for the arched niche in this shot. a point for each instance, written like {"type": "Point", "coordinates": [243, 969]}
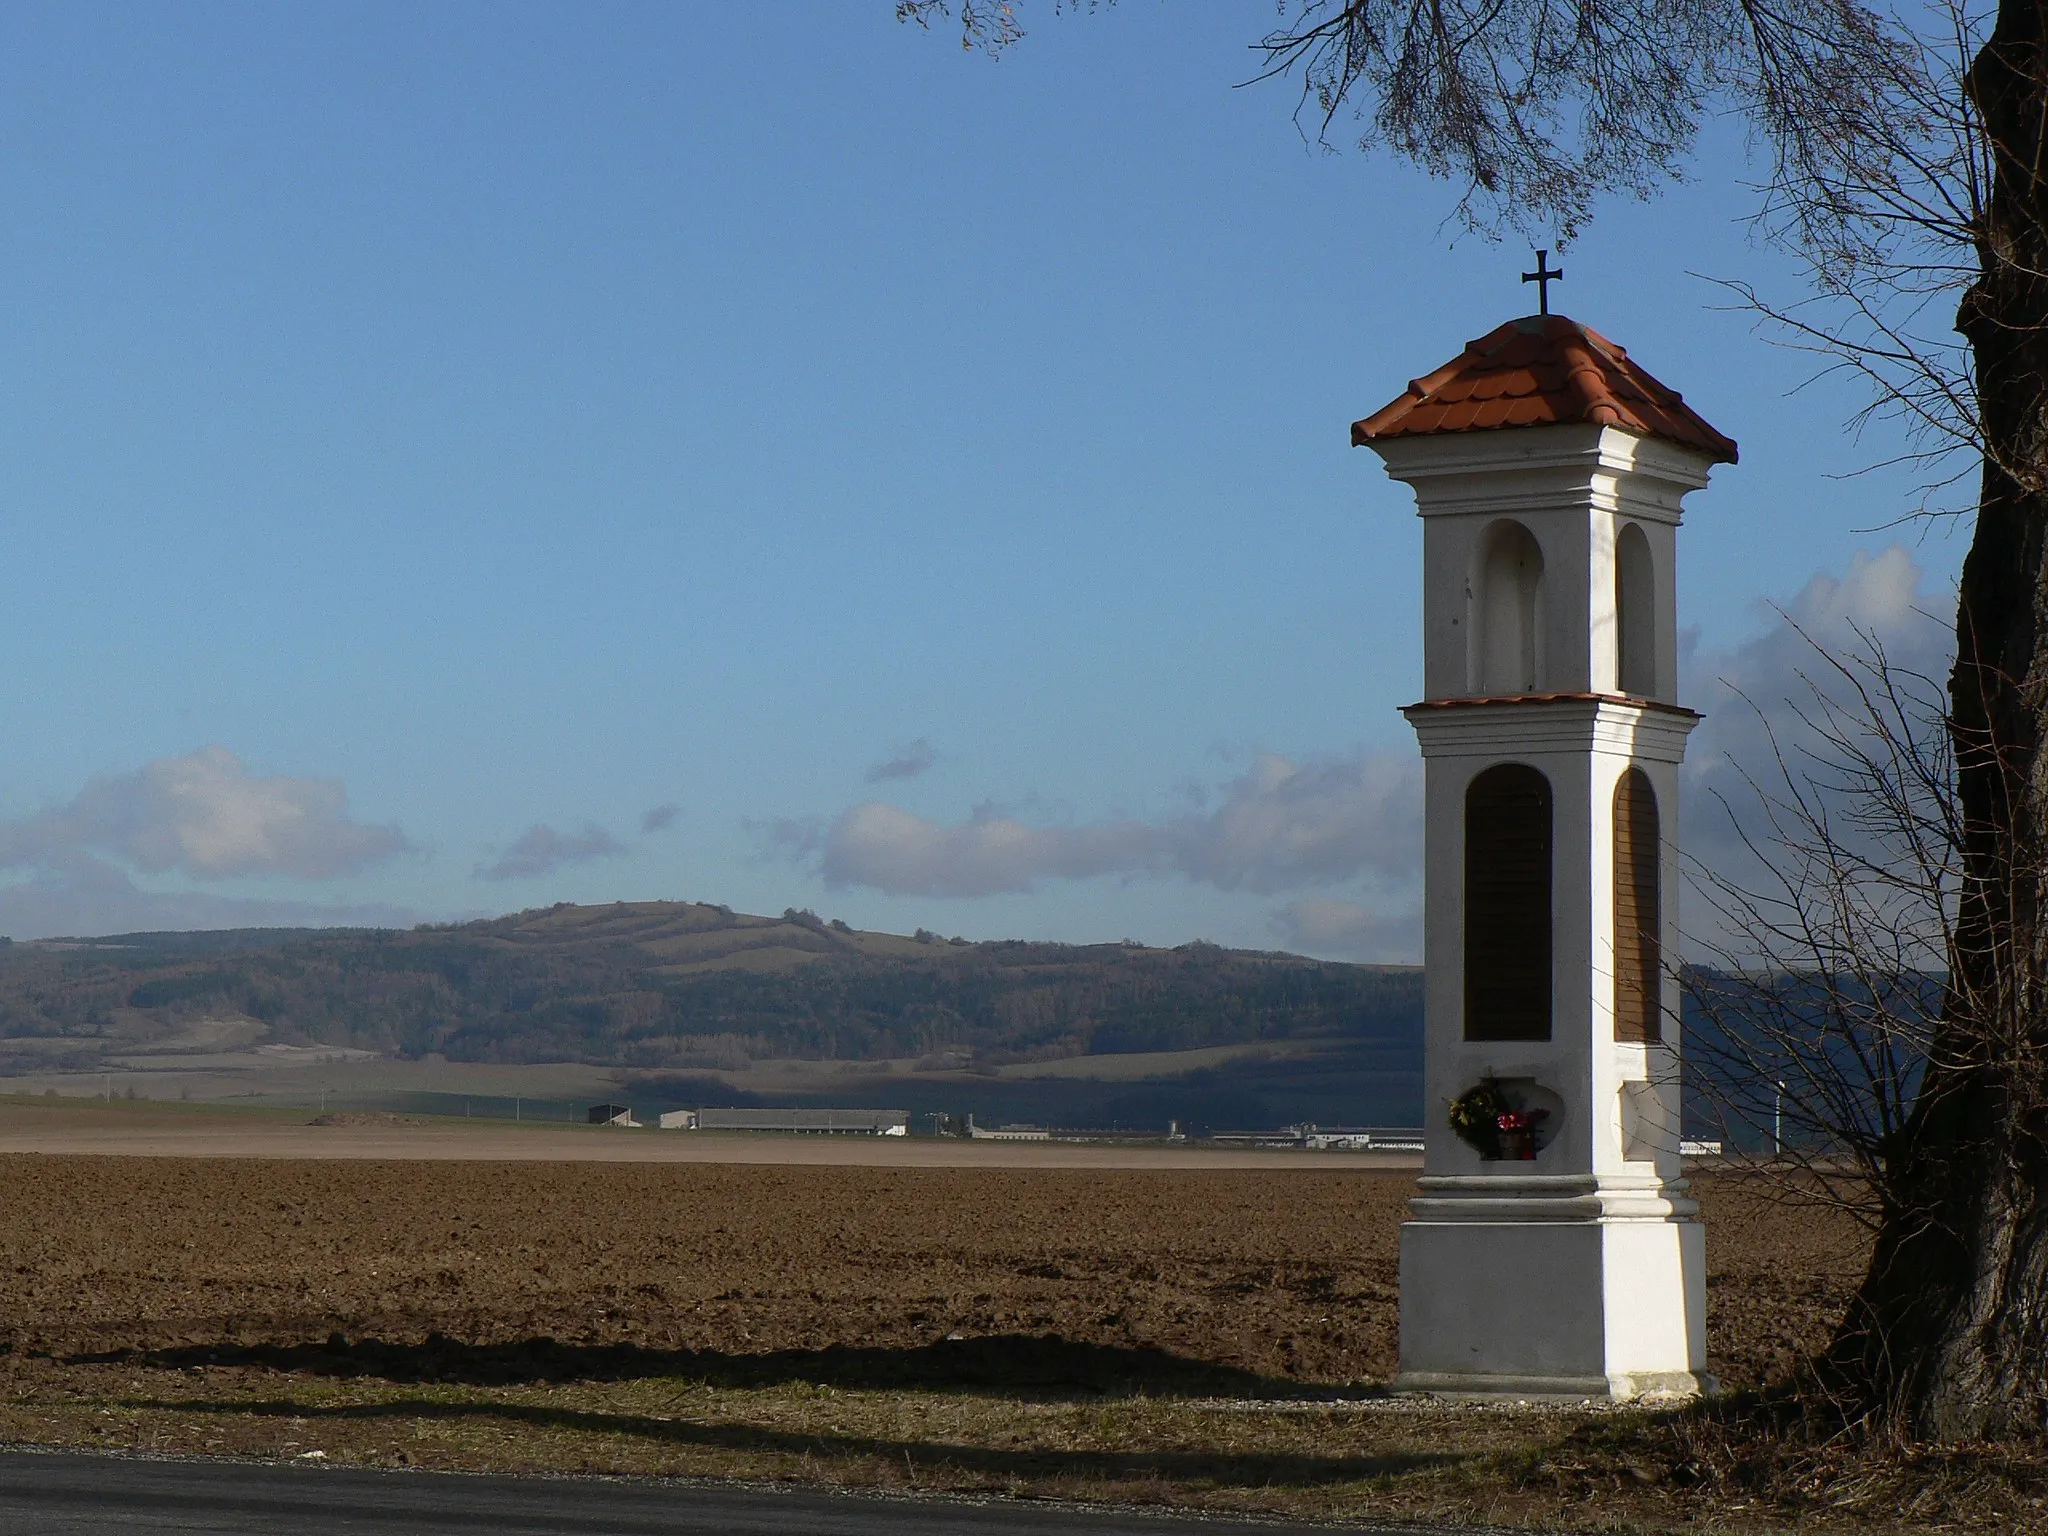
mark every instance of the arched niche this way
{"type": "Point", "coordinates": [1507, 610]}
{"type": "Point", "coordinates": [1638, 949]}
{"type": "Point", "coordinates": [1635, 612]}
{"type": "Point", "coordinates": [1507, 904]}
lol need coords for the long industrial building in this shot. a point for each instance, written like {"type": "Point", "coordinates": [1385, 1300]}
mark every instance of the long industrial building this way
{"type": "Point", "coordinates": [810, 1122]}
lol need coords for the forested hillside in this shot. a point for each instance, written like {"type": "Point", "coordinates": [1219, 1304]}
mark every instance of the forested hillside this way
{"type": "Point", "coordinates": [677, 984]}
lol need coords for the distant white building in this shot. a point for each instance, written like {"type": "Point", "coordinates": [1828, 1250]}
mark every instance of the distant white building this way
{"type": "Point", "coordinates": [1348, 1139]}
{"type": "Point", "coordinates": [678, 1120]}
{"type": "Point", "coordinates": [806, 1122]}
{"type": "Point", "coordinates": [613, 1114]}
{"type": "Point", "coordinates": [1008, 1132]}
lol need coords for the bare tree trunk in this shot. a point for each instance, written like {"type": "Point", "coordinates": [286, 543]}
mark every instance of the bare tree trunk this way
{"type": "Point", "coordinates": [1949, 1333]}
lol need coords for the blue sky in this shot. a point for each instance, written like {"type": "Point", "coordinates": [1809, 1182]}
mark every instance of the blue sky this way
{"type": "Point", "coordinates": [464, 457]}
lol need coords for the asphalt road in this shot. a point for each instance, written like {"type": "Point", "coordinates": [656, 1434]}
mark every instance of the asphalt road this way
{"type": "Point", "coordinates": [61, 1493]}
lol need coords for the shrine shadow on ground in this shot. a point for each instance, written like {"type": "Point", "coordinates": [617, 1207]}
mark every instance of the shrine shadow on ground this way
{"type": "Point", "coordinates": [1038, 1366]}
{"type": "Point", "coordinates": [1265, 1470]}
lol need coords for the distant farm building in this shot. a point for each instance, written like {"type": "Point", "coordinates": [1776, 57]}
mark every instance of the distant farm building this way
{"type": "Point", "coordinates": [678, 1120]}
{"type": "Point", "coordinates": [1328, 1138]}
{"type": "Point", "coordinates": [1007, 1132]}
{"type": "Point", "coordinates": [1344, 1139]}
{"type": "Point", "coordinates": [809, 1122]}
{"type": "Point", "coordinates": [613, 1114]}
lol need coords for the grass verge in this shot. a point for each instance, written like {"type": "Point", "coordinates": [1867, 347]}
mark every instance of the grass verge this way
{"type": "Point", "coordinates": [1561, 1468]}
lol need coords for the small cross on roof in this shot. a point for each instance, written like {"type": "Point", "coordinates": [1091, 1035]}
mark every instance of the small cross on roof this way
{"type": "Point", "coordinates": [1543, 277]}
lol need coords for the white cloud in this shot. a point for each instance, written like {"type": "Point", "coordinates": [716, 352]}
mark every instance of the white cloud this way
{"type": "Point", "coordinates": [540, 850]}
{"type": "Point", "coordinates": [1762, 690]}
{"type": "Point", "coordinates": [204, 815]}
{"type": "Point", "coordinates": [1326, 926]}
{"type": "Point", "coordinates": [1281, 825]}
{"type": "Point", "coordinates": [895, 851]}
{"type": "Point", "coordinates": [1767, 701]}
{"type": "Point", "coordinates": [907, 763]}
{"type": "Point", "coordinates": [83, 897]}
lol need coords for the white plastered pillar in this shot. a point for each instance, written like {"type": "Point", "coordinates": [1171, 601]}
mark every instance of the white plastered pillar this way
{"type": "Point", "coordinates": [1580, 1271]}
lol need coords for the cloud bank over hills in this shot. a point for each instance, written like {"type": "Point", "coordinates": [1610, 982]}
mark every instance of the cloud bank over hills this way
{"type": "Point", "coordinates": [85, 896]}
{"type": "Point", "coordinates": [1348, 828]}
{"type": "Point", "coordinates": [201, 816]}
{"type": "Point", "coordinates": [1334, 838]}
{"type": "Point", "coordinates": [205, 815]}
{"type": "Point", "coordinates": [1277, 826]}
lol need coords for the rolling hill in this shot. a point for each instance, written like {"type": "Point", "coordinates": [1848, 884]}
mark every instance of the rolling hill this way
{"type": "Point", "coordinates": [682, 986]}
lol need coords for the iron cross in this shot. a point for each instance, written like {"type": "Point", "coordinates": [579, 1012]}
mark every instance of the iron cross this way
{"type": "Point", "coordinates": [1542, 277]}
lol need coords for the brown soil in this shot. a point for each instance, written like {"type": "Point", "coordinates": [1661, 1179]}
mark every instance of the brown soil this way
{"type": "Point", "coordinates": [1193, 1335]}
{"type": "Point", "coordinates": [1244, 1282]}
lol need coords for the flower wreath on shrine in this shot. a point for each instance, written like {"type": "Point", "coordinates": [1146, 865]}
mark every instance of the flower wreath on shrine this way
{"type": "Point", "coordinates": [1498, 1130]}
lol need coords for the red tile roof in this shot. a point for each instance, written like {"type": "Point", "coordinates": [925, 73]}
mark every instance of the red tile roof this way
{"type": "Point", "coordinates": [1542, 370]}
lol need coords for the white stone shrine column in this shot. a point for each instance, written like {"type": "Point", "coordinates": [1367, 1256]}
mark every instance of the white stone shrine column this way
{"type": "Point", "coordinates": [1552, 1249]}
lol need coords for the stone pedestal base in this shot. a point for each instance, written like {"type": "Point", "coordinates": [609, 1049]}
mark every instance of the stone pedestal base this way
{"type": "Point", "coordinates": [1577, 1305]}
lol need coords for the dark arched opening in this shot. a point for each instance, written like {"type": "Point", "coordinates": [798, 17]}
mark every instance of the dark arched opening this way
{"type": "Point", "coordinates": [1638, 951]}
{"type": "Point", "coordinates": [1507, 905]}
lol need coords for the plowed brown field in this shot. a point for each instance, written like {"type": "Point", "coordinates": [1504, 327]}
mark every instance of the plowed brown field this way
{"type": "Point", "coordinates": [1208, 1279]}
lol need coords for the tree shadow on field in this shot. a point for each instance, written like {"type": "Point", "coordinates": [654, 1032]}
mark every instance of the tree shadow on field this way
{"type": "Point", "coordinates": [1203, 1467]}
{"type": "Point", "coordinates": [1014, 1364]}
